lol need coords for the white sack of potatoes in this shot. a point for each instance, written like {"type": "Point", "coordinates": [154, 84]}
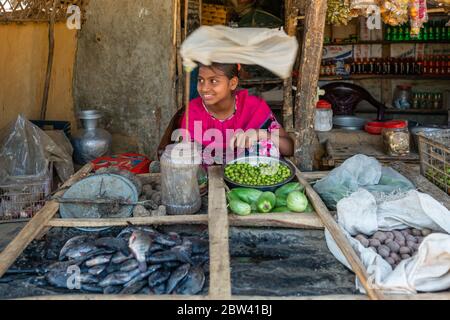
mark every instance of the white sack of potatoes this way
{"type": "Point", "coordinates": [428, 270]}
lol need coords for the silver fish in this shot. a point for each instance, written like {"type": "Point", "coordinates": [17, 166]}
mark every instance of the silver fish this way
{"type": "Point", "coordinates": [97, 269]}
{"type": "Point", "coordinates": [117, 244]}
{"type": "Point", "coordinates": [98, 260]}
{"type": "Point", "coordinates": [193, 282]}
{"type": "Point", "coordinates": [139, 244]}
{"type": "Point", "coordinates": [183, 252]}
{"type": "Point", "coordinates": [112, 290]}
{"type": "Point", "coordinates": [146, 290]}
{"type": "Point", "coordinates": [91, 288]}
{"type": "Point", "coordinates": [134, 288]}
{"type": "Point", "coordinates": [199, 246]}
{"type": "Point", "coordinates": [177, 276]}
{"type": "Point", "coordinates": [119, 257]}
{"type": "Point", "coordinates": [159, 277]}
{"type": "Point", "coordinates": [88, 278]}
{"type": "Point", "coordinates": [140, 277]}
{"type": "Point", "coordinates": [118, 278]}
{"type": "Point", "coordinates": [75, 241]}
{"type": "Point", "coordinates": [129, 265]}
{"type": "Point", "coordinates": [161, 289]}
{"type": "Point", "coordinates": [162, 256]}
{"type": "Point", "coordinates": [78, 250]}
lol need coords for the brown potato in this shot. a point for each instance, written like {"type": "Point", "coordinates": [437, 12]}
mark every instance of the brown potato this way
{"type": "Point", "coordinates": [405, 256]}
{"type": "Point", "coordinates": [395, 256]}
{"type": "Point", "coordinates": [404, 250]}
{"type": "Point", "coordinates": [410, 238]}
{"type": "Point", "coordinates": [393, 246]}
{"type": "Point", "coordinates": [401, 243]}
{"type": "Point", "coordinates": [388, 240]}
{"type": "Point", "coordinates": [390, 235]}
{"type": "Point", "coordinates": [419, 239]}
{"type": "Point", "coordinates": [390, 261]}
{"type": "Point", "coordinates": [406, 232]}
{"type": "Point", "coordinates": [410, 244]}
{"type": "Point", "coordinates": [416, 232]}
{"type": "Point", "coordinates": [381, 236]}
{"type": "Point", "coordinates": [398, 235]}
{"type": "Point", "coordinates": [384, 251]}
{"type": "Point", "coordinates": [426, 232]}
{"type": "Point", "coordinates": [374, 242]}
{"type": "Point", "coordinates": [363, 240]}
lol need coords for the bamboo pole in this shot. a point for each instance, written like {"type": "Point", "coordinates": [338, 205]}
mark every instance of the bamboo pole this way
{"type": "Point", "coordinates": [342, 242]}
{"type": "Point", "coordinates": [51, 53]}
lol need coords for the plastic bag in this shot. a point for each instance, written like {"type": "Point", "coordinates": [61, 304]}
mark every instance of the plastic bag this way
{"type": "Point", "coordinates": [428, 270]}
{"type": "Point", "coordinates": [272, 49]}
{"type": "Point", "coordinates": [26, 152]}
{"type": "Point", "coordinates": [357, 172]}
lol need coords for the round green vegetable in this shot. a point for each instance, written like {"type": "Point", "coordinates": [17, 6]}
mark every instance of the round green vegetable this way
{"type": "Point", "coordinates": [266, 202]}
{"type": "Point", "coordinates": [240, 208]}
{"type": "Point", "coordinates": [260, 175]}
{"type": "Point", "coordinates": [297, 201]}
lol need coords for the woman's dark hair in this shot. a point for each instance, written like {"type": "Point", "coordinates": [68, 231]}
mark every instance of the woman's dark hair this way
{"type": "Point", "coordinates": [230, 70]}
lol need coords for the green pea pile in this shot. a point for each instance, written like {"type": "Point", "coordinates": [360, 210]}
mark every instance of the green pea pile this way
{"type": "Point", "coordinates": [260, 175]}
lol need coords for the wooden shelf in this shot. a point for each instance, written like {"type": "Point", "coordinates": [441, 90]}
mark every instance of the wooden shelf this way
{"type": "Point", "coordinates": [383, 76]}
{"type": "Point", "coordinates": [411, 111]}
{"type": "Point", "coordinates": [259, 81]}
{"type": "Point", "coordinates": [384, 42]}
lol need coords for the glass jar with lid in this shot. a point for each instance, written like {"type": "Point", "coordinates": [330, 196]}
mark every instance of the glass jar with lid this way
{"type": "Point", "coordinates": [402, 97]}
{"type": "Point", "coordinates": [324, 116]}
{"type": "Point", "coordinates": [396, 138]}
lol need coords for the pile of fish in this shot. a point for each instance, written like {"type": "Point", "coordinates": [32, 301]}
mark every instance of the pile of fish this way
{"type": "Point", "coordinates": [140, 260]}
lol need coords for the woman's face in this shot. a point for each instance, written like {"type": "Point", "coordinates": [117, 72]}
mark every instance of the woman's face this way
{"type": "Point", "coordinates": [214, 86]}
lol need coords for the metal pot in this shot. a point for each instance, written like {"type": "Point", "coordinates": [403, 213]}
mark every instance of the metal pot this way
{"type": "Point", "coordinates": [349, 122]}
{"type": "Point", "coordinates": [91, 142]}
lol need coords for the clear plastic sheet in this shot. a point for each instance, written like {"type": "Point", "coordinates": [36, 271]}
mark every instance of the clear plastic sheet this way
{"type": "Point", "coordinates": [357, 172]}
{"type": "Point", "coordinates": [26, 152]}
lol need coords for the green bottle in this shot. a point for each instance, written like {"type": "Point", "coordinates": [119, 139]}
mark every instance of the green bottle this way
{"type": "Point", "coordinates": [431, 31]}
{"type": "Point", "coordinates": [407, 36]}
{"type": "Point", "coordinates": [425, 33]}
{"type": "Point", "coordinates": [437, 31]}
{"type": "Point", "coordinates": [400, 33]}
{"type": "Point", "coordinates": [394, 34]}
{"type": "Point", "coordinates": [388, 33]}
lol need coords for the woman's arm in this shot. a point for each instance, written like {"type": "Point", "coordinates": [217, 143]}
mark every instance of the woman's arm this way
{"type": "Point", "coordinates": [283, 142]}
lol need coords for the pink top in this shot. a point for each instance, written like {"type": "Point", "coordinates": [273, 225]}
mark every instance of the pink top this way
{"type": "Point", "coordinates": [251, 113]}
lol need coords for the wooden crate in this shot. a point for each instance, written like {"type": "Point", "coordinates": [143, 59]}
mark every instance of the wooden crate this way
{"type": "Point", "coordinates": [218, 222]}
{"type": "Point", "coordinates": [434, 150]}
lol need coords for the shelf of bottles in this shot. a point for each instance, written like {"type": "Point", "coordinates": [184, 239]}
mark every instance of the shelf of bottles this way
{"type": "Point", "coordinates": [432, 31]}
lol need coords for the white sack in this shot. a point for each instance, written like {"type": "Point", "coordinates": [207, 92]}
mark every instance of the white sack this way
{"type": "Point", "coordinates": [272, 49]}
{"type": "Point", "coordinates": [428, 270]}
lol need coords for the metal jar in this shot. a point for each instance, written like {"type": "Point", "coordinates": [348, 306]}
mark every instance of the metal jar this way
{"type": "Point", "coordinates": [90, 142]}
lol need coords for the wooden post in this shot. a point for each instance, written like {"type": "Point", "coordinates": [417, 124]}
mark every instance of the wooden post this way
{"type": "Point", "coordinates": [51, 50]}
{"type": "Point", "coordinates": [291, 14]}
{"type": "Point", "coordinates": [219, 251]}
{"type": "Point", "coordinates": [308, 80]}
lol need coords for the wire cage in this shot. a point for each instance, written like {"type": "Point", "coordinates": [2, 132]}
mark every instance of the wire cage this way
{"type": "Point", "coordinates": [23, 200]}
{"type": "Point", "coordinates": [434, 148]}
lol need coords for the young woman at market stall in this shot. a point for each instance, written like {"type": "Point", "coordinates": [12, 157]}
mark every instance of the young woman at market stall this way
{"type": "Point", "coordinates": [222, 107]}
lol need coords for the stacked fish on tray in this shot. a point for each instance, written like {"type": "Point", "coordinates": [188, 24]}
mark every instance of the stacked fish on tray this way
{"type": "Point", "coordinates": [140, 260]}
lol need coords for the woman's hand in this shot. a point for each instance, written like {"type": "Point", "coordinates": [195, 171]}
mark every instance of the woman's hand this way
{"type": "Point", "coordinates": [249, 138]}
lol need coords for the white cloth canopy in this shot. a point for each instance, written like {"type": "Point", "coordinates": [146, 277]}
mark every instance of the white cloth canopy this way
{"type": "Point", "coordinates": [272, 49]}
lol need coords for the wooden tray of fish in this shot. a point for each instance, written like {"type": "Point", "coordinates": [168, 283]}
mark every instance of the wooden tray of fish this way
{"type": "Point", "coordinates": [141, 234]}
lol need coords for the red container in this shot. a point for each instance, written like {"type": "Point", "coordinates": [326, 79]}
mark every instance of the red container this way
{"type": "Point", "coordinates": [375, 127]}
{"type": "Point", "coordinates": [133, 162]}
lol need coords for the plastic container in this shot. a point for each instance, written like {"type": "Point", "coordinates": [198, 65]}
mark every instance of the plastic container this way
{"type": "Point", "coordinates": [180, 191]}
{"type": "Point", "coordinates": [374, 127]}
{"type": "Point", "coordinates": [402, 97]}
{"type": "Point", "coordinates": [396, 138]}
{"type": "Point", "coordinates": [324, 116]}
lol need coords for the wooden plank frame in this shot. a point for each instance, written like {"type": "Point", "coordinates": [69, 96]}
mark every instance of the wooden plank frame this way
{"type": "Point", "coordinates": [218, 222]}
